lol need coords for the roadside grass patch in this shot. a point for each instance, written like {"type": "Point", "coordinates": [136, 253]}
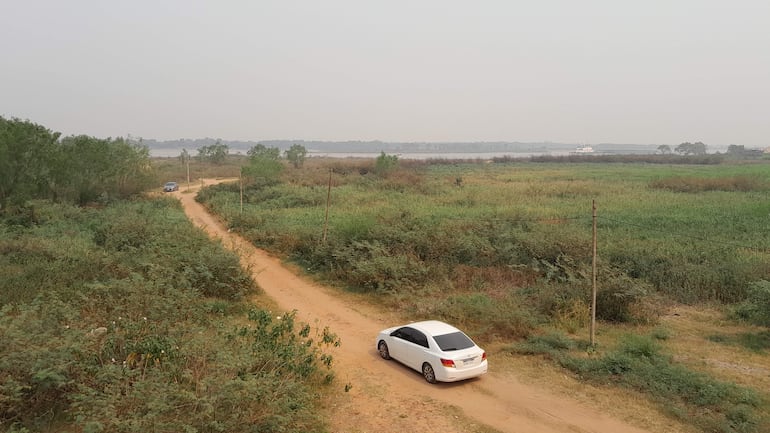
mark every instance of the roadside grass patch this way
{"type": "Point", "coordinates": [755, 341]}
{"type": "Point", "coordinates": [639, 363]}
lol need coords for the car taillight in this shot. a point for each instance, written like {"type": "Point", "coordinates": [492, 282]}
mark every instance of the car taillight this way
{"type": "Point", "coordinates": [484, 356]}
{"type": "Point", "coordinates": [447, 362]}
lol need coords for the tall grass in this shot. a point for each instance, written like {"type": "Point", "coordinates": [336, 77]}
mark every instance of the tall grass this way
{"type": "Point", "coordinates": [417, 226]}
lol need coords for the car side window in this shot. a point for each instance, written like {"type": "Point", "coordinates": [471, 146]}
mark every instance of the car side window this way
{"type": "Point", "coordinates": [399, 333]}
{"type": "Point", "coordinates": [409, 334]}
{"type": "Point", "coordinates": [415, 336]}
{"type": "Point", "coordinates": [420, 338]}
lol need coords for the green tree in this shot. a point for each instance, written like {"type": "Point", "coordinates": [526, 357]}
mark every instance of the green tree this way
{"type": "Point", "coordinates": [261, 151]}
{"type": "Point", "coordinates": [89, 169]}
{"type": "Point", "coordinates": [26, 153]}
{"type": "Point", "coordinates": [664, 149]}
{"type": "Point", "coordinates": [296, 155]}
{"type": "Point", "coordinates": [688, 148]}
{"type": "Point", "coordinates": [132, 168]}
{"type": "Point", "coordinates": [215, 153]}
{"type": "Point", "coordinates": [264, 165]}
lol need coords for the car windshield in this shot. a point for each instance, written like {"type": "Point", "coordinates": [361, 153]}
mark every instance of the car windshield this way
{"type": "Point", "coordinates": [171, 184]}
{"type": "Point", "coordinates": [453, 341]}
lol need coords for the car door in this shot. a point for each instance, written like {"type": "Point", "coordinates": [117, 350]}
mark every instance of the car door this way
{"type": "Point", "coordinates": [399, 342]}
{"type": "Point", "coordinates": [415, 348]}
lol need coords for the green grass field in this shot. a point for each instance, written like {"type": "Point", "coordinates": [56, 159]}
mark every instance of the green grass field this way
{"type": "Point", "coordinates": [505, 251]}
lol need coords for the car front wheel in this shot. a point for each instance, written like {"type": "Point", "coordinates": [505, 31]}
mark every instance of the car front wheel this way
{"type": "Point", "coordinates": [428, 373]}
{"type": "Point", "coordinates": [383, 349]}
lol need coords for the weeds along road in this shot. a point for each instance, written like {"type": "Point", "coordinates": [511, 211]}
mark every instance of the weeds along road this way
{"type": "Point", "coordinates": [385, 396]}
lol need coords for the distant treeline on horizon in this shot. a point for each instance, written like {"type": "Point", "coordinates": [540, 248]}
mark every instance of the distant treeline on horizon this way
{"type": "Point", "coordinates": [397, 147]}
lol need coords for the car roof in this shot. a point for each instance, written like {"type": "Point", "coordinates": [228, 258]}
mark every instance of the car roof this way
{"type": "Point", "coordinates": [433, 327]}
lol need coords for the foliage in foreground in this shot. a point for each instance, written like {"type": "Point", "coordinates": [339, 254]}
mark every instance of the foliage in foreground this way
{"type": "Point", "coordinates": [639, 363]}
{"type": "Point", "coordinates": [124, 319]}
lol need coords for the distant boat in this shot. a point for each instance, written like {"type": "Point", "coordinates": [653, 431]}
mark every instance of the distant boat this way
{"type": "Point", "coordinates": [582, 149]}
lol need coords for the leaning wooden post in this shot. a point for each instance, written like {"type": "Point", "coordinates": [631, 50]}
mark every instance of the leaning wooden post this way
{"type": "Point", "coordinates": [593, 278]}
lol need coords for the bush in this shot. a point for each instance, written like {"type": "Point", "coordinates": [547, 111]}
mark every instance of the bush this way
{"type": "Point", "coordinates": [756, 307]}
{"type": "Point", "coordinates": [618, 297]}
{"type": "Point", "coordinates": [489, 318]}
{"type": "Point", "coordinates": [384, 164]}
{"type": "Point", "coordinates": [374, 267]}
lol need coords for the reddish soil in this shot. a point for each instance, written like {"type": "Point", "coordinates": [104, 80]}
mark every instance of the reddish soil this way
{"type": "Point", "coordinates": [385, 396]}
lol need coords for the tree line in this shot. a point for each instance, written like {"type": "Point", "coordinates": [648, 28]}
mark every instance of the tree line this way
{"type": "Point", "coordinates": [37, 163]}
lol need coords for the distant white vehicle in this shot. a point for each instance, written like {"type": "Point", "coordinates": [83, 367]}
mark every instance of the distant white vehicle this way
{"type": "Point", "coordinates": [582, 149]}
{"type": "Point", "coordinates": [441, 352]}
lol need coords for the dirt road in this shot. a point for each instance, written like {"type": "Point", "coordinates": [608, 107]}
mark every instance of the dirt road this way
{"type": "Point", "coordinates": [387, 397]}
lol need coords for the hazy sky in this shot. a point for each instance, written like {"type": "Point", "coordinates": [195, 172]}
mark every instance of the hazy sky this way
{"type": "Point", "coordinates": [621, 71]}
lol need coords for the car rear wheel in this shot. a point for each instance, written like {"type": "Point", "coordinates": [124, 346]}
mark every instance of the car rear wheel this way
{"type": "Point", "coordinates": [428, 373]}
{"type": "Point", "coordinates": [383, 349]}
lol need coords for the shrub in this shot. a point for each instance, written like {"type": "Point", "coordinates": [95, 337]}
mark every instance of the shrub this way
{"type": "Point", "coordinates": [372, 266]}
{"type": "Point", "coordinates": [756, 307]}
{"type": "Point", "coordinates": [385, 164]}
{"type": "Point", "coordinates": [618, 296]}
{"type": "Point", "coordinates": [486, 317]}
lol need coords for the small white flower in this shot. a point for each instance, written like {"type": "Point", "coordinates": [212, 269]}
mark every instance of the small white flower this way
{"type": "Point", "coordinates": [67, 327]}
{"type": "Point", "coordinates": [278, 317]}
{"type": "Point", "coordinates": [162, 351]}
{"type": "Point", "coordinates": [113, 360]}
{"type": "Point", "coordinates": [145, 319]}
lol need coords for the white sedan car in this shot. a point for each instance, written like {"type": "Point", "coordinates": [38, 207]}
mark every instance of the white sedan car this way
{"type": "Point", "coordinates": [441, 352]}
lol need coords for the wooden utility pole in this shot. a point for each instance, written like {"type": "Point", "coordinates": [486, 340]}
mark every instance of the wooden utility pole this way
{"type": "Point", "coordinates": [328, 198]}
{"type": "Point", "coordinates": [593, 278]}
{"type": "Point", "coordinates": [240, 180]}
{"type": "Point", "coordinates": [187, 160]}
